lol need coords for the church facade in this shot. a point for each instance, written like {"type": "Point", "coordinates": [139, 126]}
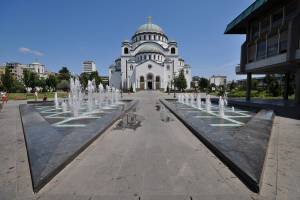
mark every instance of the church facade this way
{"type": "Point", "coordinates": [148, 62]}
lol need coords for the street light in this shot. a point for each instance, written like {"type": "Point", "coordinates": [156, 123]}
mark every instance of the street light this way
{"type": "Point", "coordinates": [174, 85]}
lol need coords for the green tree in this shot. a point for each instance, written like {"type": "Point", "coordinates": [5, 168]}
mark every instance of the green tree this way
{"type": "Point", "coordinates": [203, 83]}
{"type": "Point", "coordinates": [64, 74]}
{"type": "Point", "coordinates": [18, 86]}
{"type": "Point", "coordinates": [95, 76]}
{"type": "Point", "coordinates": [232, 85]}
{"type": "Point", "coordinates": [273, 87]}
{"type": "Point", "coordinates": [180, 81]}
{"type": "Point", "coordinates": [30, 79]}
{"type": "Point", "coordinates": [254, 84]}
{"type": "Point", "coordinates": [26, 77]}
{"type": "Point", "coordinates": [33, 80]}
{"type": "Point", "coordinates": [63, 85]}
{"type": "Point", "coordinates": [51, 82]}
{"type": "Point", "coordinates": [41, 82]}
{"type": "Point", "coordinates": [83, 78]}
{"type": "Point", "coordinates": [7, 80]}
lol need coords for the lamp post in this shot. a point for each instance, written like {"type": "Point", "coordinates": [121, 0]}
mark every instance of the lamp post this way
{"type": "Point", "coordinates": [121, 85]}
{"type": "Point", "coordinates": [174, 85]}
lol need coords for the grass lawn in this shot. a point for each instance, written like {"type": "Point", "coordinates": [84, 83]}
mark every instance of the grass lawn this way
{"type": "Point", "coordinates": [255, 94]}
{"type": "Point", "coordinates": [28, 96]}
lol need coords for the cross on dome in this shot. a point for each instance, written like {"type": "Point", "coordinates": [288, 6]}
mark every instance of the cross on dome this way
{"type": "Point", "coordinates": [149, 20]}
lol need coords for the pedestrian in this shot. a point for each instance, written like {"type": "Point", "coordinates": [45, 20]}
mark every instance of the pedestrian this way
{"type": "Point", "coordinates": [36, 95]}
{"type": "Point", "coordinates": [4, 98]}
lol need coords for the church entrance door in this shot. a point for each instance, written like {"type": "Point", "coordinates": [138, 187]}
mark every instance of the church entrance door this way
{"type": "Point", "coordinates": [150, 81]}
{"type": "Point", "coordinates": [149, 85]}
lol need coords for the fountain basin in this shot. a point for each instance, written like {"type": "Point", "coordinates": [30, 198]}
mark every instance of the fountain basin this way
{"type": "Point", "coordinates": [239, 139]}
{"type": "Point", "coordinates": [54, 138]}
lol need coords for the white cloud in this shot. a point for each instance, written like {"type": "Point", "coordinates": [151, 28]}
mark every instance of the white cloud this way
{"type": "Point", "coordinates": [38, 53]}
{"type": "Point", "coordinates": [24, 50]}
{"type": "Point", "coordinates": [27, 50]}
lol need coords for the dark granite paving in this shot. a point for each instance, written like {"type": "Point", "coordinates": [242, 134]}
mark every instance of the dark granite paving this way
{"type": "Point", "coordinates": [50, 148]}
{"type": "Point", "coordinates": [242, 147]}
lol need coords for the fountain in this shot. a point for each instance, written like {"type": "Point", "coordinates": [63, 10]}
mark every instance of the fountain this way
{"type": "Point", "coordinates": [208, 103]}
{"type": "Point", "coordinates": [75, 96]}
{"type": "Point", "coordinates": [64, 106]}
{"type": "Point", "coordinates": [56, 100]}
{"type": "Point", "coordinates": [191, 99]}
{"type": "Point", "coordinates": [221, 106]}
{"type": "Point", "coordinates": [91, 90]}
{"type": "Point", "coordinates": [199, 101]}
{"type": "Point", "coordinates": [225, 99]}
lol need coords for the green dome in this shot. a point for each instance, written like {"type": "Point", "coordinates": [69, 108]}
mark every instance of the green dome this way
{"type": "Point", "coordinates": [149, 28]}
{"type": "Point", "coordinates": [149, 48]}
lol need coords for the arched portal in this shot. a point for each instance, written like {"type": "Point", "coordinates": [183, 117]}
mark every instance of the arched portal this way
{"type": "Point", "coordinates": [142, 83]}
{"type": "Point", "coordinates": [150, 81]}
{"type": "Point", "coordinates": [157, 82]}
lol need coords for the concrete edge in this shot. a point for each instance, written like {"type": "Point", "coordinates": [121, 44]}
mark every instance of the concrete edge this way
{"type": "Point", "coordinates": [69, 159]}
{"type": "Point", "coordinates": [252, 184]}
{"type": "Point", "coordinates": [267, 149]}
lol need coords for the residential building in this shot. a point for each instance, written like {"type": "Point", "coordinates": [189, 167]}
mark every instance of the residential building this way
{"type": "Point", "coordinates": [218, 80]}
{"type": "Point", "coordinates": [89, 66]}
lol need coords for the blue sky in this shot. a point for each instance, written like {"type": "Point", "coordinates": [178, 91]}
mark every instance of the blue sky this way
{"type": "Point", "coordinates": [66, 32]}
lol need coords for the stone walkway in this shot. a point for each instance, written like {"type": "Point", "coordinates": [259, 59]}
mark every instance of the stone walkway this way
{"type": "Point", "coordinates": [158, 160]}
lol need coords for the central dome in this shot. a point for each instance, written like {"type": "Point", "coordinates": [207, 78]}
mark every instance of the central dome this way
{"type": "Point", "coordinates": [149, 28]}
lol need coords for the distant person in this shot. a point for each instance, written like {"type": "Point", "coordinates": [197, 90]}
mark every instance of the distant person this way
{"type": "Point", "coordinates": [4, 98]}
{"type": "Point", "coordinates": [45, 98]}
{"type": "Point", "coordinates": [35, 95]}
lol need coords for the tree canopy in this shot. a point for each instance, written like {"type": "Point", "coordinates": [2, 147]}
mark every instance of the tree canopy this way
{"type": "Point", "coordinates": [203, 83]}
{"type": "Point", "coordinates": [7, 80]}
{"type": "Point", "coordinates": [180, 81]}
{"type": "Point", "coordinates": [64, 74]}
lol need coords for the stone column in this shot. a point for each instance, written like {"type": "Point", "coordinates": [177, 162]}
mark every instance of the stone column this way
{"type": "Point", "coordinates": [286, 86]}
{"type": "Point", "coordinates": [297, 88]}
{"type": "Point", "coordinates": [248, 89]}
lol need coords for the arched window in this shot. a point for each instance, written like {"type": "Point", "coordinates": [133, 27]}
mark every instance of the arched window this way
{"type": "Point", "coordinates": [149, 77]}
{"type": "Point", "coordinates": [149, 57]}
{"type": "Point", "coordinates": [125, 50]}
{"type": "Point", "coordinates": [142, 79]}
{"type": "Point", "coordinates": [131, 67]}
{"type": "Point", "coordinates": [145, 57]}
{"type": "Point", "coordinates": [149, 37]}
{"type": "Point", "coordinates": [173, 50]}
{"type": "Point", "coordinates": [144, 37]}
{"type": "Point", "coordinates": [154, 57]}
{"type": "Point", "coordinates": [168, 67]}
{"type": "Point", "coordinates": [187, 71]}
{"type": "Point", "coordinates": [149, 66]}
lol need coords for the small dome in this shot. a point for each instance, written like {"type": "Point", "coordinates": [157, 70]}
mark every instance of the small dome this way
{"type": "Point", "coordinates": [149, 48]}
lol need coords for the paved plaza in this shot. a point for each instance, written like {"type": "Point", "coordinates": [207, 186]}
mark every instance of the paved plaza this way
{"type": "Point", "coordinates": [158, 159]}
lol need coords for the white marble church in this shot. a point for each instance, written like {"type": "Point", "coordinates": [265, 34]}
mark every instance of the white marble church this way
{"type": "Point", "coordinates": [148, 62]}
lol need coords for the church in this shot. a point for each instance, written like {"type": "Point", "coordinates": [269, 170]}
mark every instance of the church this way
{"type": "Point", "coordinates": [150, 61]}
